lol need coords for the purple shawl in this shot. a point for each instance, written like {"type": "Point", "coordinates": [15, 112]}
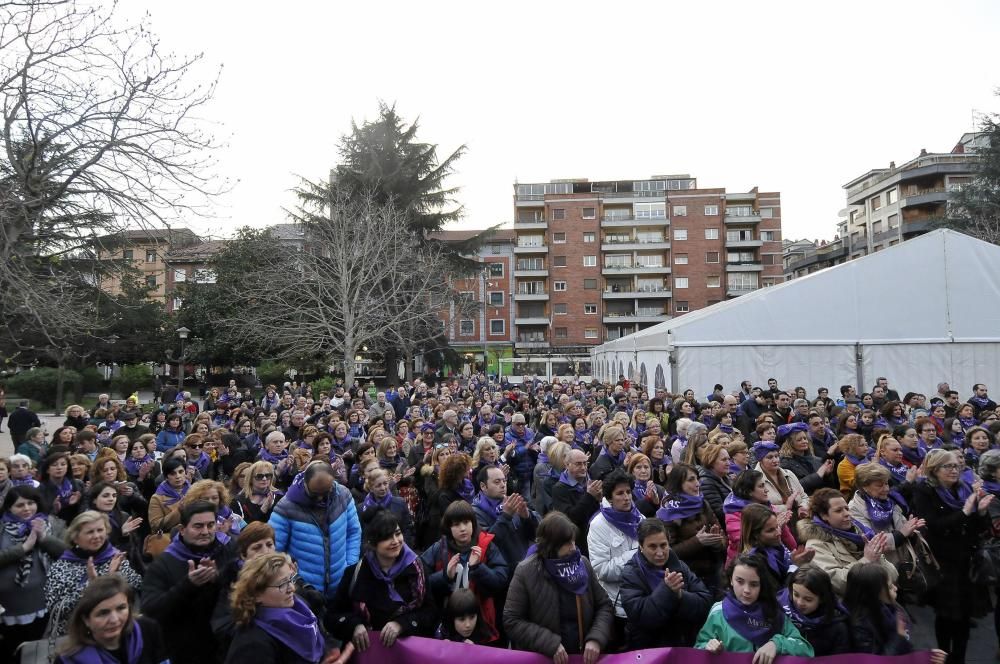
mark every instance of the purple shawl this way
{"type": "Point", "coordinates": [97, 655]}
{"type": "Point", "coordinates": [405, 559]}
{"type": "Point", "coordinates": [296, 627]}
{"type": "Point", "coordinates": [749, 621]}
{"type": "Point", "coordinates": [570, 573]}
{"type": "Point", "coordinates": [681, 506]}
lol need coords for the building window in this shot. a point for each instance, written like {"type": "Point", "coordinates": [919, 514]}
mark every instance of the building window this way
{"type": "Point", "coordinates": [680, 282]}
{"type": "Point", "coordinates": [590, 261]}
{"type": "Point", "coordinates": [680, 259]}
{"type": "Point", "coordinates": [496, 326]}
{"type": "Point", "coordinates": [559, 238]}
{"type": "Point", "coordinates": [562, 332]}
{"type": "Point", "coordinates": [558, 261]}
{"type": "Point", "coordinates": [877, 226]}
{"type": "Point", "coordinates": [769, 236]}
{"type": "Point", "coordinates": [589, 237]}
{"type": "Point", "coordinates": [711, 233]}
{"type": "Point", "coordinates": [151, 255]}
{"type": "Point", "coordinates": [151, 281]}
{"type": "Point", "coordinates": [711, 210]}
{"type": "Point", "coordinates": [891, 197]}
{"type": "Point", "coordinates": [560, 309]}
{"type": "Point", "coordinates": [766, 213]}
{"type": "Point", "coordinates": [650, 210]}
{"type": "Point", "coordinates": [767, 259]}
{"type": "Point", "coordinates": [466, 328]}
{"type": "Point", "coordinates": [177, 303]}
{"type": "Point", "coordinates": [495, 298]}
{"type": "Point", "coordinates": [590, 309]}
{"type": "Point", "coordinates": [893, 221]}
{"type": "Point", "coordinates": [590, 213]}
{"type": "Point", "coordinates": [180, 275]}
{"type": "Point", "coordinates": [204, 276]}
{"type": "Point", "coordinates": [876, 202]}
{"type": "Point", "coordinates": [680, 234]}
{"type": "Point", "coordinates": [128, 254]}
{"type": "Point", "coordinates": [496, 269]}
{"type": "Point", "coordinates": [712, 257]}
{"type": "Point", "coordinates": [680, 210]}
{"type": "Point", "coordinates": [558, 214]}
{"type": "Point", "coordinates": [590, 333]}
{"type": "Point", "coordinates": [681, 307]}
{"type": "Point", "coordinates": [590, 284]}
{"type": "Point", "coordinates": [559, 285]}
{"type": "Point", "coordinates": [713, 282]}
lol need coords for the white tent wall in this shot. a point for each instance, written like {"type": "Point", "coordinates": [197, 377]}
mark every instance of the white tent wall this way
{"type": "Point", "coordinates": [701, 367]}
{"type": "Point", "coordinates": [920, 367]}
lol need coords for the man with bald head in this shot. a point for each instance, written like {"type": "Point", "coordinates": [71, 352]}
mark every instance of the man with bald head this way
{"type": "Point", "coordinates": [575, 496]}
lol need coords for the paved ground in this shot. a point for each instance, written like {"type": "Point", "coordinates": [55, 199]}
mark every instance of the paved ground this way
{"type": "Point", "coordinates": [49, 421]}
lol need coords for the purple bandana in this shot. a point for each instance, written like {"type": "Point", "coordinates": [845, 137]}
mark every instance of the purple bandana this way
{"type": "Point", "coordinates": [466, 490]}
{"type": "Point", "coordinates": [97, 655]}
{"type": "Point", "coordinates": [855, 536]}
{"type": "Point", "coordinates": [680, 506]}
{"type": "Point", "coordinates": [777, 558]}
{"type": "Point", "coordinates": [570, 572]}
{"type": "Point", "coordinates": [879, 511]}
{"type": "Point", "coordinates": [491, 506]}
{"type": "Point", "coordinates": [653, 575]}
{"type": "Point", "coordinates": [171, 493]}
{"type": "Point", "coordinates": [295, 627]}
{"type": "Point", "coordinates": [733, 504]}
{"type": "Point", "coordinates": [77, 555]}
{"type": "Point", "coordinates": [23, 526]}
{"type": "Point", "coordinates": [626, 522]}
{"type": "Point", "coordinates": [181, 551]}
{"type": "Point", "coordinates": [405, 559]}
{"type": "Point", "coordinates": [748, 621]}
{"type": "Point", "coordinates": [132, 466]}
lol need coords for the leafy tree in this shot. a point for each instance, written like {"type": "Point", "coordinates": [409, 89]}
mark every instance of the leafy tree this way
{"type": "Point", "coordinates": [975, 209]}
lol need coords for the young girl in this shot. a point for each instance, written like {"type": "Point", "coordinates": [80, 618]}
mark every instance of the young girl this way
{"type": "Point", "coordinates": [811, 604]}
{"type": "Point", "coordinates": [749, 618]}
{"type": "Point", "coordinates": [462, 622]}
{"type": "Point", "coordinates": [760, 534]}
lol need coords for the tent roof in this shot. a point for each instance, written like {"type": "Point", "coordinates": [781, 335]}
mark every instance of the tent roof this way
{"type": "Point", "coordinates": [941, 286]}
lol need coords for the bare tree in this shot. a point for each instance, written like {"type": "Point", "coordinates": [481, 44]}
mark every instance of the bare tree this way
{"type": "Point", "coordinates": [100, 131]}
{"type": "Point", "coordinates": [360, 278]}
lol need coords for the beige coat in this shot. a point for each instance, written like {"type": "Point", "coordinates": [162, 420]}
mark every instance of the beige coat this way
{"type": "Point", "coordinates": [835, 555]}
{"type": "Point", "coordinates": [774, 496]}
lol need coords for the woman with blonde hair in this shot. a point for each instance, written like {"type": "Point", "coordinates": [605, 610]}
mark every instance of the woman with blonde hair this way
{"type": "Point", "coordinates": [487, 453]}
{"type": "Point", "coordinates": [273, 623]}
{"type": "Point", "coordinates": [229, 523]}
{"type": "Point", "coordinates": [855, 449]}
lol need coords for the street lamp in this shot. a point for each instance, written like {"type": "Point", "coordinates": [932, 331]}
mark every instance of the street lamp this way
{"type": "Point", "coordinates": [112, 340]}
{"type": "Point", "coordinates": [183, 333]}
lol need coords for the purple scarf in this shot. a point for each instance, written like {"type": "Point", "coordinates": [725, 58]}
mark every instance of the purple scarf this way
{"type": "Point", "coordinates": [571, 483]}
{"type": "Point", "coordinates": [777, 558]}
{"type": "Point", "coordinates": [949, 499]}
{"type": "Point", "coordinates": [132, 466]}
{"type": "Point", "coordinates": [171, 493]}
{"type": "Point", "coordinates": [19, 527]}
{"type": "Point", "coordinates": [653, 575]}
{"type": "Point", "coordinates": [856, 536]}
{"type": "Point", "coordinates": [75, 554]}
{"type": "Point", "coordinates": [680, 506]}
{"type": "Point", "coordinates": [405, 559]}
{"type": "Point", "coordinates": [801, 620]}
{"type": "Point", "coordinates": [733, 504]}
{"type": "Point", "coordinates": [626, 522]}
{"type": "Point", "coordinates": [492, 507]}
{"type": "Point", "coordinates": [296, 627]}
{"type": "Point", "coordinates": [898, 473]}
{"type": "Point", "coordinates": [992, 487]}
{"type": "Point", "coordinates": [749, 621]}
{"type": "Point", "coordinates": [25, 481]}
{"type": "Point", "coordinates": [879, 511]}
{"type": "Point", "coordinates": [273, 459]}
{"type": "Point", "coordinates": [65, 489]}
{"type": "Point", "coordinates": [182, 552]}
{"type": "Point", "coordinates": [466, 490]}
{"type": "Point", "coordinates": [915, 455]}
{"type": "Point", "coordinates": [371, 501]}
{"type": "Point", "coordinates": [616, 460]}
{"type": "Point", "coordinates": [98, 655]}
{"type": "Point", "coordinates": [570, 573]}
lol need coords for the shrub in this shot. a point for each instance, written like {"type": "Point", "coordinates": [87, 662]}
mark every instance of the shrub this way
{"type": "Point", "coordinates": [324, 384]}
{"type": "Point", "coordinates": [40, 384]}
{"type": "Point", "coordinates": [132, 378]}
{"type": "Point", "coordinates": [93, 380]}
{"type": "Point", "coordinates": [272, 373]}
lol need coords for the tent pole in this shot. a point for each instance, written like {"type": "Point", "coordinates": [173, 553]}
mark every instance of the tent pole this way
{"type": "Point", "coordinates": [859, 366]}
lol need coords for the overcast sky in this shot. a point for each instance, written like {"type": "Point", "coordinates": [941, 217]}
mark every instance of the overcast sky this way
{"type": "Point", "coordinates": [787, 96]}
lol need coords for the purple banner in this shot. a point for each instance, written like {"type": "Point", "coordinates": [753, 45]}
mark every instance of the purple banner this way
{"type": "Point", "coordinates": [416, 649]}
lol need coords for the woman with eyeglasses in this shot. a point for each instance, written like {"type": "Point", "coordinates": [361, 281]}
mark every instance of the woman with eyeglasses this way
{"type": "Point", "coordinates": [273, 624]}
{"type": "Point", "coordinates": [956, 514]}
{"type": "Point", "coordinates": [257, 494]}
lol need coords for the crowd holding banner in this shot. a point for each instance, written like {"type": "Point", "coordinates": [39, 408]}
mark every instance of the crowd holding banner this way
{"type": "Point", "coordinates": [575, 520]}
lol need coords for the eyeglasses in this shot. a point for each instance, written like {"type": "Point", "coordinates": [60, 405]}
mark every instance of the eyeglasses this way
{"type": "Point", "coordinates": [285, 585]}
{"type": "Point", "coordinates": [950, 466]}
{"type": "Point", "coordinates": [196, 446]}
{"type": "Point", "coordinates": [263, 476]}
{"type": "Point", "coordinates": [928, 431]}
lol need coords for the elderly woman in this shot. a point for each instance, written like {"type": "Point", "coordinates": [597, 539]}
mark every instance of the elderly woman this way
{"type": "Point", "coordinates": [90, 555]}
{"type": "Point", "coordinates": [957, 516]}
{"type": "Point", "coordinates": [882, 509]}
{"type": "Point", "coordinates": [556, 576]}
{"type": "Point", "coordinates": [796, 451]}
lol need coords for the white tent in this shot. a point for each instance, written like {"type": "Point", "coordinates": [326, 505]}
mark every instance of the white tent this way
{"type": "Point", "coordinates": [922, 312]}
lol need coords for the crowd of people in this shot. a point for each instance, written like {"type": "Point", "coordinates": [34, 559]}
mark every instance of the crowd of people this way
{"type": "Point", "coordinates": [562, 518]}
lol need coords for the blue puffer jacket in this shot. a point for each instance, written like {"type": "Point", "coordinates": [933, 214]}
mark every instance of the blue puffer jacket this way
{"type": "Point", "coordinates": [323, 542]}
{"type": "Point", "coordinates": [168, 438]}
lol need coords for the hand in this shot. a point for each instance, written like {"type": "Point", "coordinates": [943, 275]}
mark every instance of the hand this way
{"type": "Point", "coordinates": [970, 503]}
{"type": "Point", "coordinates": [714, 646]}
{"type": "Point", "coordinates": [984, 502]}
{"type": "Point", "coordinates": [204, 572]}
{"type": "Point", "coordinates": [360, 638]}
{"type": "Point", "coordinates": [591, 651]}
{"type": "Point", "coordinates": [506, 470]}
{"type": "Point", "coordinates": [911, 474]}
{"type": "Point", "coordinates": [875, 547]}
{"type": "Point", "coordinates": [595, 489]}
{"type": "Point", "coordinates": [116, 562]}
{"type": "Point", "coordinates": [706, 538]}
{"type": "Point", "coordinates": [765, 654]}
{"type": "Point", "coordinates": [38, 528]}
{"type": "Point", "coordinates": [268, 502]}
{"type": "Point", "coordinates": [390, 632]}
{"type": "Point", "coordinates": [783, 518]}
{"type": "Point", "coordinates": [651, 495]}
{"type": "Point", "coordinates": [74, 498]}
{"type": "Point", "coordinates": [29, 542]}
{"type": "Point", "coordinates": [409, 472]}
{"type": "Point", "coordinates": [913, 523]}
{"type": "Point", "coordinates": [792, 499]}
{"type": "Point", "coordinates": [475, 555]}
{"type": "Point", "coordinates": [674, 581]}
{"type": "Point", "coordinates": [131, 525]}
{"type": "Point", "coordinates": [124, 489]}
{"type": "Point", "coordinates": [509, 504]}
{"type": "Point", "coordinates": [561, 657]}
{"type": "Point", "coordinates": [226, 524]}
{"type": "Point", "coordinates": [803, 511]}
{"type": "Point", "coordinates": [938, 656]}
{"type": "Point", "coordinates": [801, 555]}
{"type": "Point", "coordinates": [825, 468]}
{"type": "Point", "coordinates": [144, 469]}
{"type": "Point", "coordinates": [522, 506]}
{"type": "Point", "coordinates": [91, 570]}
{"type": "Point", "coordinates": [901, 624]}
{"type": "Point", "coordinates": [453, 564]}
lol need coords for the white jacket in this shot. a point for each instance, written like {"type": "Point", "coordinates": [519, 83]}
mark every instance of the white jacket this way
{"type": "Point", "coordinates": [609, 550]}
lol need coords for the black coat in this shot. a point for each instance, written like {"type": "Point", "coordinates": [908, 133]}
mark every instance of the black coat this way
{"type": "Point", "coordinates": [578, 506]}
{"type": "Point", "coordinates": [832, 638]}
{"type": "Point", "coordinates": [871, 635]}
{"type": "Point", "coordinates": [153, 649]}
{"type": "Point", "coordinates": [657, 618]}
{"type": "Point", "coordinates": [253, 644]}
{"type": "Point", "coordinates": [19, 422]}
{"type": "Point", "coordinates": [714, 489]}
{"type": "Point", "coordinates": [804, 468]}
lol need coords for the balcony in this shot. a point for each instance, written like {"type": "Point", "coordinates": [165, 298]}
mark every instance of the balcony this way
{"type": "Point", "coordinates": [635, 269]}
{"type": "Point", "coordinates": [530, 200]}
{"type": "Point", "coordinates": [528, 345]}
{"type": "Point", "coordinates": [634, 243]}
{"type": "Point", "coordinates": [633, 294]}
{"type": "Point", "coordinates": [736, 292]}
{"type": "Point", "coordinates": [741, 219]}
{"type": "Point", "coordinates": [537, 296]}
{"type": "Point", "coordinates": [536, 225]}
{"type": "Point", "coordinates": [637, 316]}
{"type": "Point", "coordinates": [628, 222]}
{"type": "Point", "coordinates": [744, 267]}
{"type": "Point", "coordinates": [743, 244]}
{"type": "Point", "coordinates": [925, 197]}
{"type": "Point", "coordinates": [531, 320]}
{"type": "Point", "coordinates": [531, 249]}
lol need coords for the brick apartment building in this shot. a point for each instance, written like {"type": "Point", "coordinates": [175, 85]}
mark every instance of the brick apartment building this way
{"type": "Point", "coordinates": [146, 250]}
{"type": "Point", "coordinates": [595, 261]}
